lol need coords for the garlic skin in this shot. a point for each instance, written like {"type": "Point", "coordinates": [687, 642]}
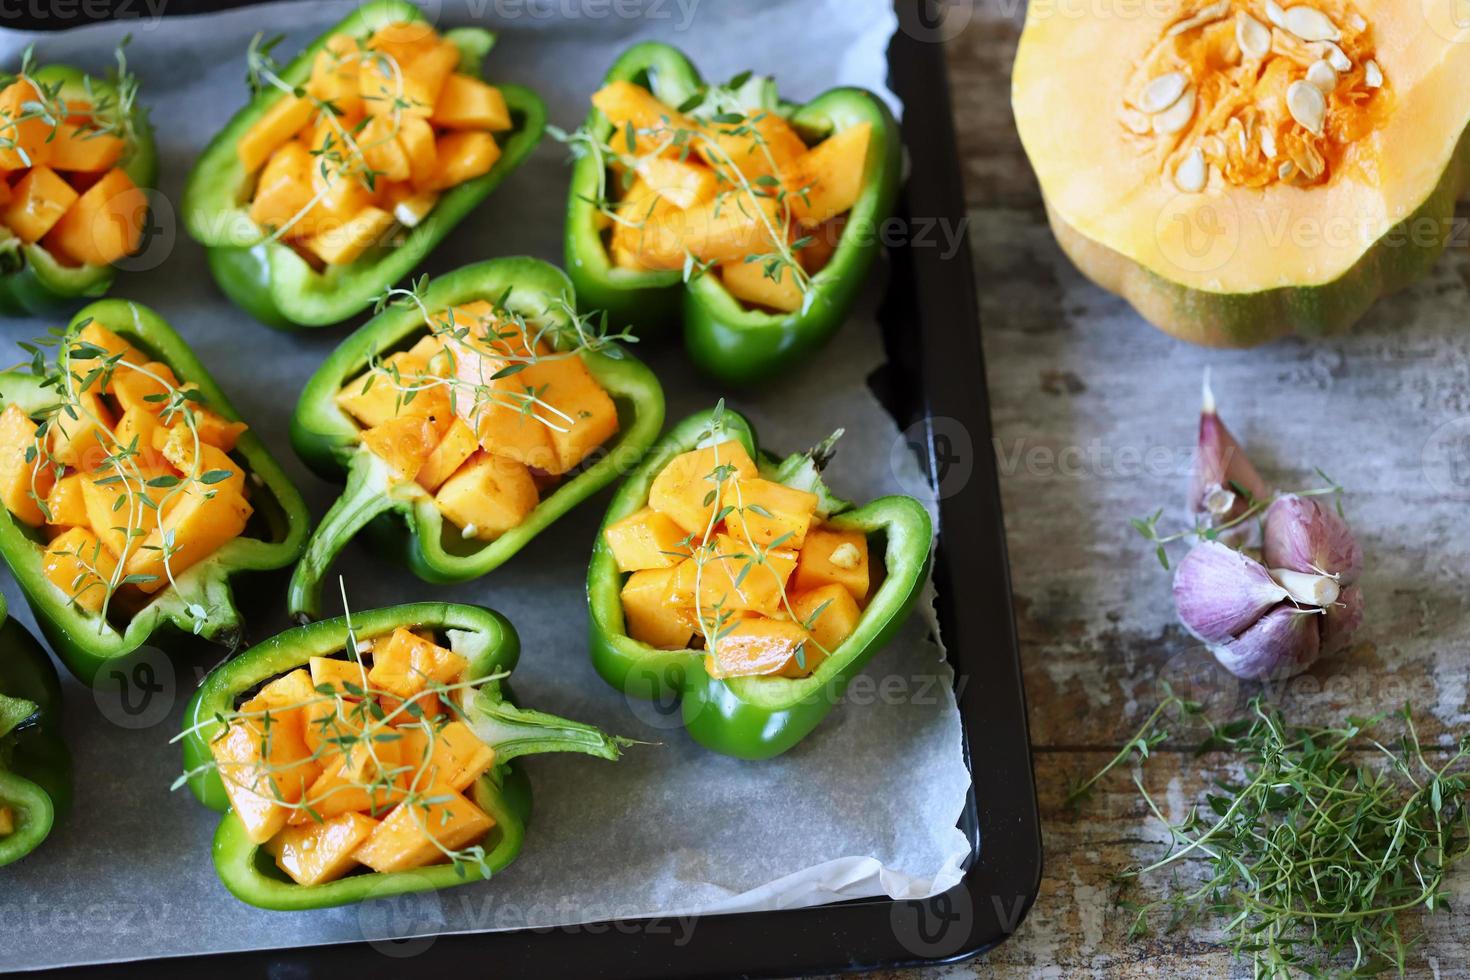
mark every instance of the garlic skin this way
{"type": "Point", "coordinates": [1220, 465]}
{"type": "Point", "coordinates": [1305, 535]}
{"type": "Point", "coordinates": [1342, 620]}
{"type": "Point", "coordinates": [1220, 592]}
{"type": "Point", "coordinates": [1282, 644]}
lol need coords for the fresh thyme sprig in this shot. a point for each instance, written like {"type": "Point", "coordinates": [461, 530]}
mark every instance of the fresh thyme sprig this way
{"type": "Point", "coordinates": [108, 114]}
{"type": "Point", "coordinates": [1314, 859]}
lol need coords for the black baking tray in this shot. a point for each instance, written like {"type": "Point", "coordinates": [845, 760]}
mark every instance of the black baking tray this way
{"type": "Point", "coordinates": [935, 386]}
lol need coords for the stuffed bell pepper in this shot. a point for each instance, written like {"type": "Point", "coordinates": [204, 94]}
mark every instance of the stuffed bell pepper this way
{"type": "Point", "coordinates": [479, 408]}
{"type": "Point", "coordinates": [369, 756]}
{"type": "Point", "coordinates": [352, 162]}
{"type": "Point", "coordinates": [754, 218]}
{"type": "Point", "coordinates": [741, 584]}
{"type": "Point", "coordinates": [76, 154]}
{"type": "Point", "coordinates": [35, 769]}
{"type": "Point", "coordinates": [132, 490]}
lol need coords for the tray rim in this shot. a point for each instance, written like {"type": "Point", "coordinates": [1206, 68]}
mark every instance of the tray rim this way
{"type": "Point", "coordinates": [1003, 876]}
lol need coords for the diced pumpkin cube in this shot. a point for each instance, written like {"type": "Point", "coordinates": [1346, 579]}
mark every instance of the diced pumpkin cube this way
{"type": "Point", "coordinates": [280, 123]}
{"type": "Point", "coordinates": [750, 282]}
{"type": "Point", "coordinates": [762, 145]}
{"type": "Point", "coordinates": [287, 697]}
{"type": "Point", "coordinates": [408, 205]}
{"type": "Point", "coordinates": [683, 183]}
{"type": "Point", "coordinates": [458, 445]}
{"type": "Point", "coordinates": [340, 197]}
{"type": "Point", "coordinates": [576, 412]}
{"type": "Point", "coordinates": [649, 617]}
{"type": "Point", "coordinates": [199, 525]}
{"type": "Point", "coordinates": [146, 390]}
{"type": "Point", "coordinates": [24, 137]}
{"type": "Point", "coordinates": [343, 245]}
{"type": "Point", "coordinates": [416, 142]}
{"type": "Point", "coordinates": [412, 85]}
{"type": "Point", "coordinates": [468, 103]}
{"type": "Point", "coordinates": [500, 410]}
{"type": "Point", "coordinates": [418, 833]}
{"type": "Point", "coordinates": [80, 148]}
{"type": "Point", "coordinates": [462, 156]}
{"type": "Point", "coordinates": [104, 225]}
{"type": "Point", "coordinates": [404, 443]}
{"type": "Point", "coordinates": [683, 488]}
{"type": "Point", "coordinates": [759, 647]}
{"type": "Point", "coordinates": [640, 208]}
{"type": "Point", "coordinates": [95, 334]}
{"type": "Point", "coordinates": [728, 576]}
{"type": "Point", "coordinates": [316, 853]}
{"type": "Point", "coordinates": [653, 122]}
{"type": "Point", "coordinates": [449, 756]}
{"type": "Point", "coordinates": [24, 473]}
{"type": "Point", "coordinates": [768, 513]}
{"type": "Point", "coordinates": [78, 565]}
{"type": "Point", "coordinates": [85, 441]}
{"type": "Point", "coordinates": [261, 763]}
{"type": "Point", "coordinates": [383, 153]}
{"type": "Point", "coordinates": [334, 74]}
{"type": "Point", "coordinates": [213, 428]}
{"type": "Point", "coordinates": [121, 509]}
{"type": "Point", "coordinates": [832, 556]}
{"type": "Point", "coordinates": [343, 676]}
{"type": "Point", "coordinates": [369, 775]}
{"type": "Point", "coordinates": [382, 392]}
{"type": "Point", "coordinates": [37, 203]}
{"type": "Point", "coordinates": [403, 40]}
{"type": "Point", "coordinates": [829, 614]}
{"type": "Point", "coordinates": [819, 243]}
{"type": "Point", "coordinates": [647, 539]}
{"type": "Point", "coordinates": [135, 429]}
{"type": "Point", "coordinates": [717, 232]}
{"type": "Point", "coordinates": [826, 180]}
{"type": "Point", "coordinates": [66, 504]}
{"type": "Point", "coordinates": [284, 190]}
{"type": "Point", "coordinates": [331, 726]}
{"type": "Point", "coordinates": [488, 496]}
{"type": "Point", "coordinates": [405, 663]}
{"type": "Point", "coordinates": [209, 465]}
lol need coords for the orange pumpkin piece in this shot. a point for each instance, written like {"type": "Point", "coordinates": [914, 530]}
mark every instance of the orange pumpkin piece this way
{"type": "Point", "coordinates": [717, 231]}
{"type": "Point", "coordinates": [342, 198]}
{"type": "Point", "coordinates": [581, 415]}
{"type": "Point", "coordinates": [488, 496]}
{"type": "Point", "coordinates": [759, 647]}
{"type": "Point", "coordinates": [409, 205]}
{"type": "Point", "coordinates": [683, 183]}
{"type": "Point", "coordinates": [95, 334]}
{"type": "Point", "coordinates": [278, 124]}
{"type": "Point", "coordinates": [122, 509]}
{"type": "Point", "coordinates": [201, 523]}
{"type": "Point", "coordinates": [449, 756]}
{"type": "Point", "coordinates": [24, 473]}
{"type": "Point", "coordinates": [682, 486]}
{"type": "Point", "coordinates": [316, 853]}
{"type": "Point", "coordinates": [146, 390]}
{"type": "Point", "coordinates": [24, 135]}
{"type": "Point", "coordinates": [404, 443]}
{"type": "Point", "coordinates": [462, 156]}
{"type": "Point", "coordinates": [37, 203]}
{"type": "Point", "coordinates": [284, 189]}
{"type": "Point", "coordinates": [728, 576]}
{"type": "Point", "coordinates": [381, 149]}
{"type": "Point", "coordinates": [77, 564]}
{"type": "Point", "coordinates": [829, 613]}
{"type": "Point", "coordinates": [381, 393]}
{"type": "Point", "coordinates": [405, 663]}
{"type": "Point", "coordinates": [338, 674]}
{"type": "Point", "coordinates": [85, 441]}
{"type": "Point", "coordinates": [136, 428]}
{"type": "Point", "coordinates": [468, 103]}
{"type": "Point", "coordinates": [197, 461]}
{"type": "Point", "coordinates": [403, 40]}
{"type": "Point", "coordinates": [261, 763]}
{"type": "Point", "coordinates": [654, 123]}
{"type": "Point", "coordinates": [369, 776]}
{"type": "Point", "coordinates": [82, 149]}
{"type": "Point", "coordinates": [769, 151]}
{"type": "Point", "coordinates": [766, 512]}
{"type": "Point", "coordinates": [831, 556]}
{"type": "Point", "coordinates": [104, 225]}
{"type": "Point", "coordinates": [415, 141]}
{"type": "Point", "coordinates": [750, 283]}
{"type": "Point", "coordinates": [646, 539]}
{"type": "Point", "coordinates": [420, 832]}
{"type": "Point", "coordinates": [649, 617]}
{"type": "Point", "coordinates": [65, 504]}
{"type": "Point", "coordinates": [826, 180]}
{"type": "Point", "coordinates": [334, 74]}
{"type": "Point", "coordinates": [458, 445]}
{"type": "Point", "coordinates": [340, 246]}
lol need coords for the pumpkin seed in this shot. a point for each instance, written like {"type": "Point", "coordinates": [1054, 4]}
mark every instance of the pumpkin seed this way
{"type": "Point", "coordinates": [1215, 11]}
{"type": "Point", "coordinates": [1163, 92]}
{"type": "Point", "coordinates": [1372, 74]}
{"type": "Point", "coordinates": [1275, 14]}
{"type": "Point", "coordinates": [1322, 76]}
{"type": "Point", "coordinates": [1253, 37]}
{"type": "Point", "coordinates": [1192, 173]}
{"type": "Point", "coordinates": [1284, 171]}
{"type": "Point", "coordinates": [1268, 143]}
{"type": "Point", "coordinates": [1307, 106]}
{"type": "Point", "coordinates": [1177, 116]}
{"type": "Point", "coordinates": [1136, 122]}
{"type": "Point", "coordinates": [1357, 23]}
{"type": "Point", "coordinates": [1310, 24]}
{"type": "Point", "coordinates": [1336, 57]}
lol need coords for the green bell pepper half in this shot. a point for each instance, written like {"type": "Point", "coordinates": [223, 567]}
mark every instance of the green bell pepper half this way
{"type": "Point", "coordinates": [268, 279]}
{"type": "Point", "coordinates": [491, 645]}
{"type": "Point", "coordinates": [32, 281]}
{"type": "Point", "coordinates": [327, 438]}
{"type": "Point", "coordinates": [728, 340]}
{"type": "Point", "coordinates": [755, 717]}
{"type": "Point", "coordinates": [273, 538]}
{"type": "Point", "coordinates": [35, 768]}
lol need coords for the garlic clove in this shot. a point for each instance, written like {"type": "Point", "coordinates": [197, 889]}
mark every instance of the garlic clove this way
{"type": "Point", "coordinates": [1219, 592]}
{"type": "Point", "coordinates": [1220, 466]}
{"type": "Point", "coordinates": [1342, 620]}
{"type": "Point", "coordinates": [1282, 644]}
{"type": "Point", "coordinates": [1305, 535]}
{"type": "Point", "coordinates": [1307, 588]}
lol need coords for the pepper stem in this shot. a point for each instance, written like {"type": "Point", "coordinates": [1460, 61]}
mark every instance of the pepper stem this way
{"type": "Point", "coordinates": [366, 495]}
{"type": "Point", "coordinates": [514, 732]}
{"type": "Point", "coordinates": [1308, 588]}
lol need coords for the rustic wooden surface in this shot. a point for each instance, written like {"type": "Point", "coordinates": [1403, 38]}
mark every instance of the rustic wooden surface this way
{"type": "Point", "coordinates": [1094, 414]}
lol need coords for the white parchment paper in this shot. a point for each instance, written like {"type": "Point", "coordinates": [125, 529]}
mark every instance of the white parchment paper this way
{"type": "Point", "coordinates": [866, 806]}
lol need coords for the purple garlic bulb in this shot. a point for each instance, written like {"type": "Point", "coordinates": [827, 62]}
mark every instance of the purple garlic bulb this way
{"type": "Point", "coordinates": [1221, 471]}
{"type": "Point", "coordinates": [1272, 620]}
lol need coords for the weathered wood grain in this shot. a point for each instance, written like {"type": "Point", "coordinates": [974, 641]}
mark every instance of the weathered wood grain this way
{"type": "Point", "coordinates": [1094, 416]}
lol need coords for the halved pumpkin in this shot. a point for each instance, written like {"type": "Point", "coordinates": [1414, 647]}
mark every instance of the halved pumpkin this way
{"type": "Point", "coordinates": [1241, 170]}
